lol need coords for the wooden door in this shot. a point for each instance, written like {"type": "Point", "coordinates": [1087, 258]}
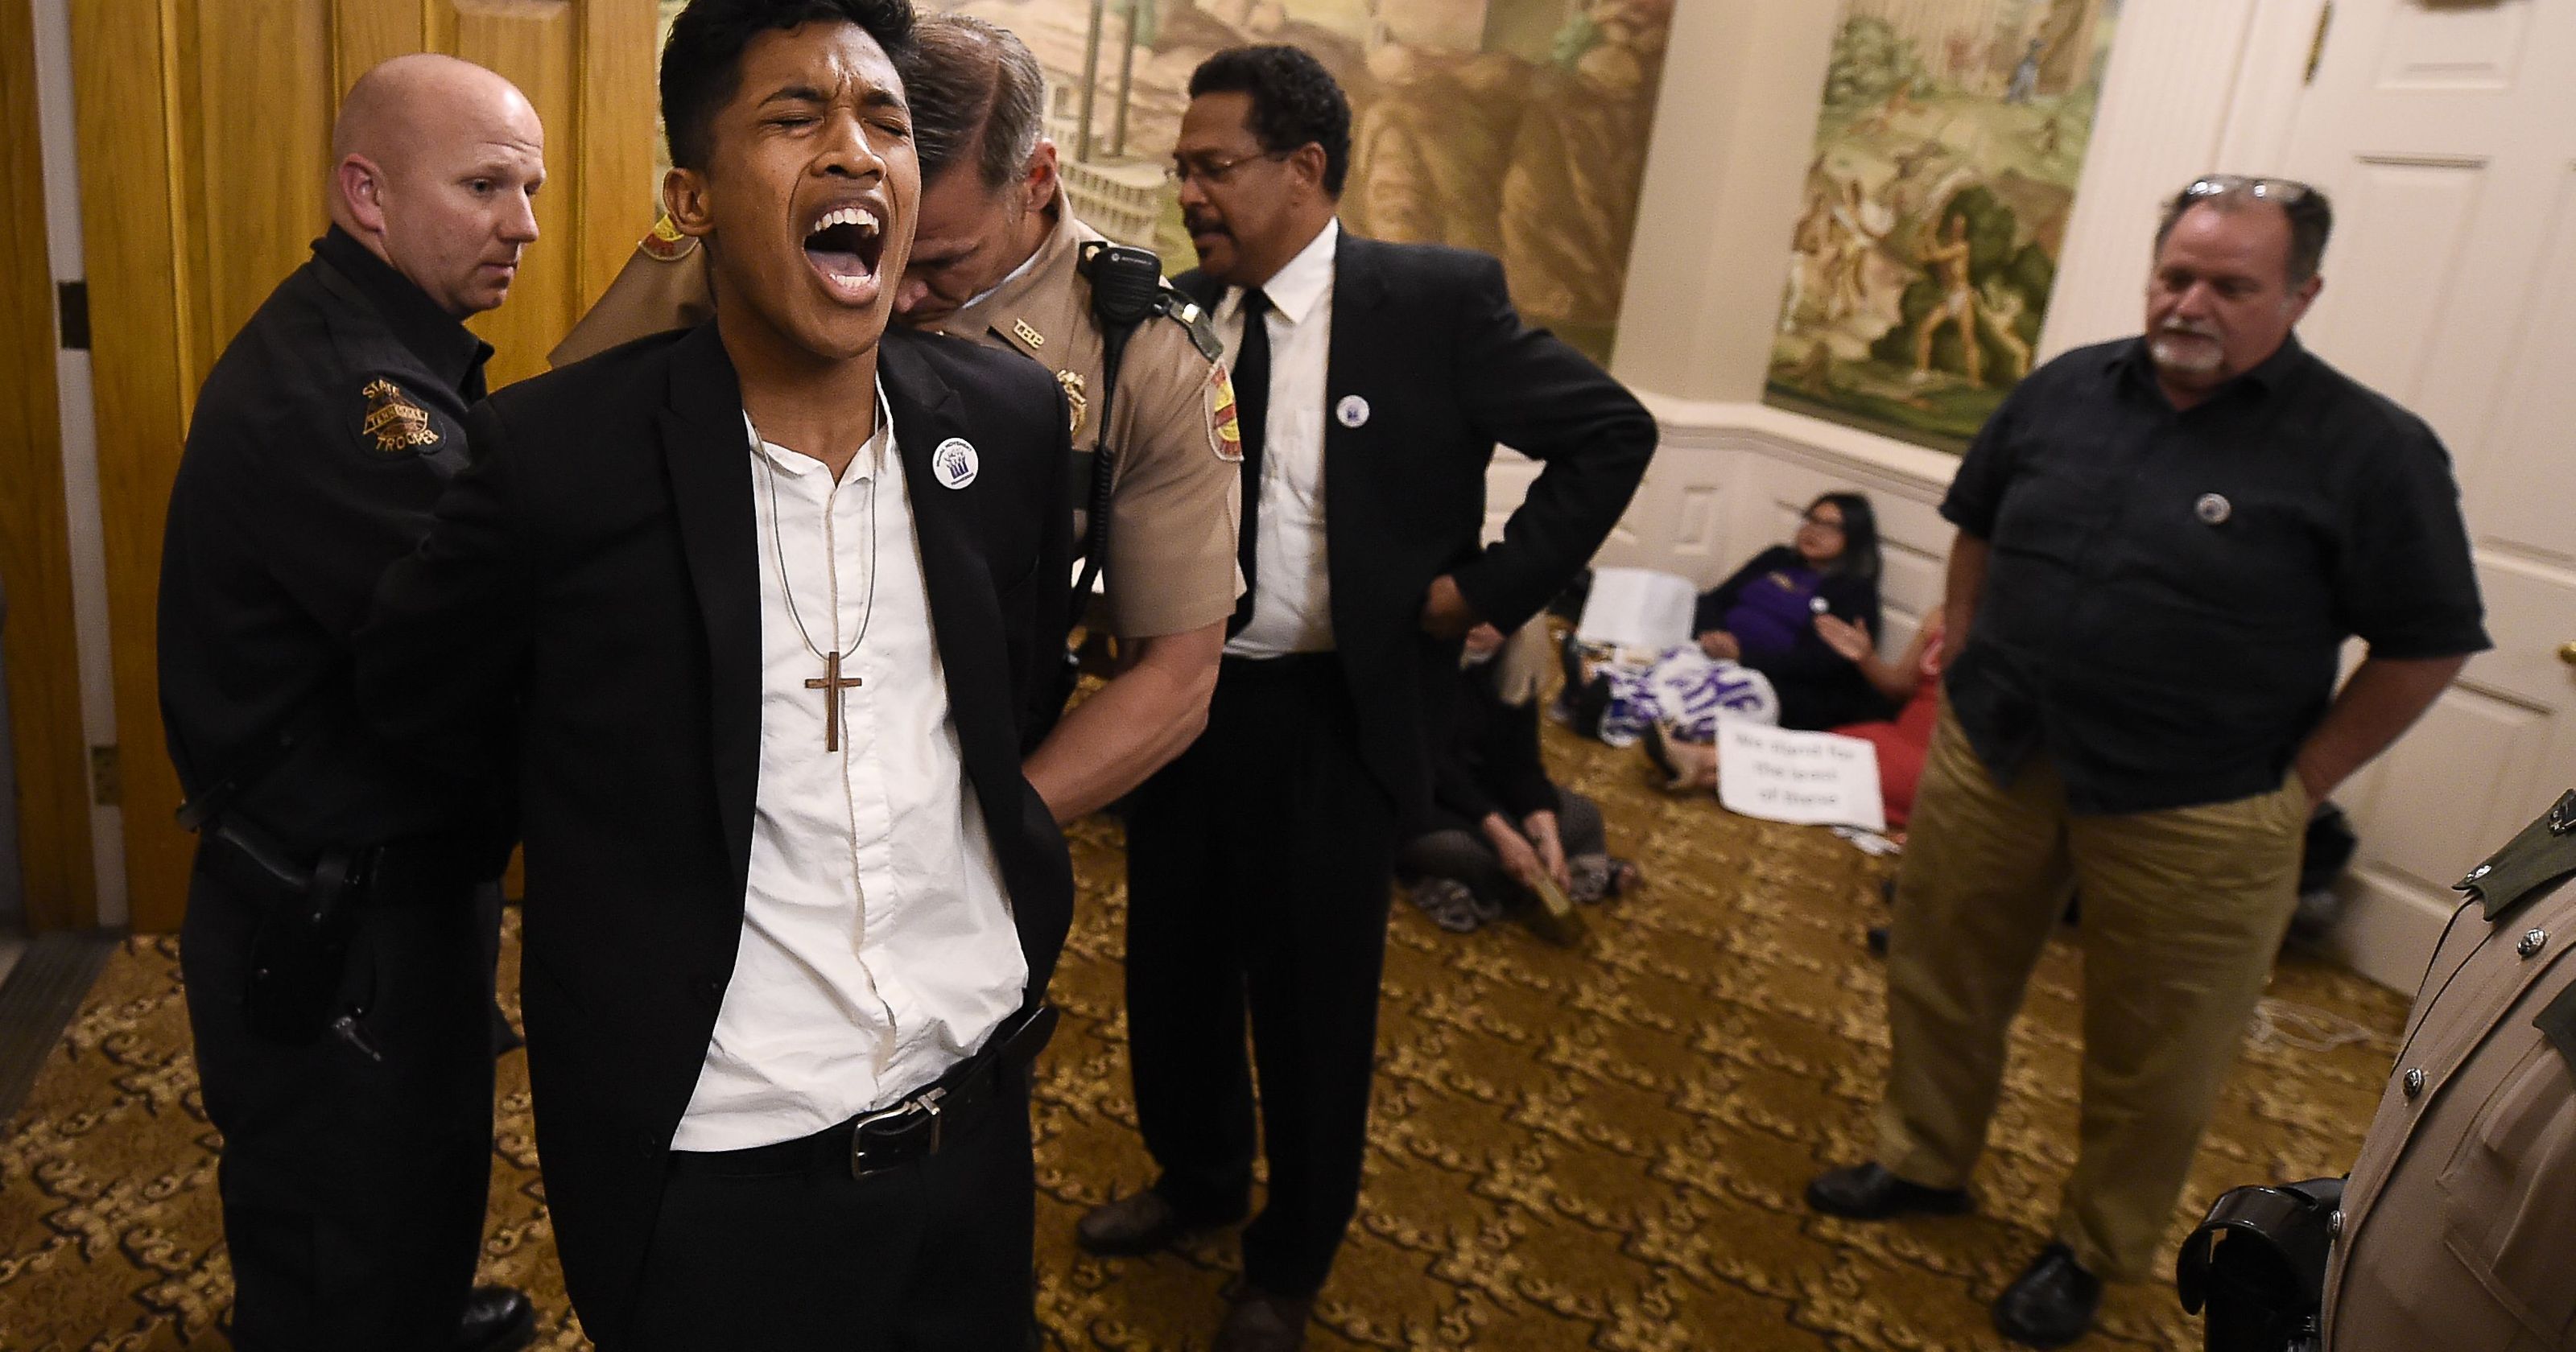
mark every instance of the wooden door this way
{"type": "Point", "coordinates": [204, 131]}
{"type": "Point", "coordinates": [2445, 131]}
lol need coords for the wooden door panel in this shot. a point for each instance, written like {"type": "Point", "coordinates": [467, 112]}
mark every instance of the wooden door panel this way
{"type": "Point", "coordinates": [204, 131]}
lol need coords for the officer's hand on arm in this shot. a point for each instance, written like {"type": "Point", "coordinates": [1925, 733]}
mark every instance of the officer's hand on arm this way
{"type": "Point", "coordinates": [1446, 612]}
{"type": "Point", "coordinates": [1720, 645]}
{"type": "Point", "coordinates": [1149, 712]}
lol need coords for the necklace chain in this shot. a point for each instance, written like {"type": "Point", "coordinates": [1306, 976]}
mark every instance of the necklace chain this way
{"type": "Point", "coordinates": [778, 548]}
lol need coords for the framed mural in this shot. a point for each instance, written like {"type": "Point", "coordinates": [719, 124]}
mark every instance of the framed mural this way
{"type": "Point", "coordinates": [1936, 204]}
{"type": "Point", "coordinates": [1517, 127]}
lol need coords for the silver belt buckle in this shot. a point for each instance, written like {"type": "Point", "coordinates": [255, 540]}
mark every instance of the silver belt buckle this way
{"type": "Point", "coordinates": [927, 1101]}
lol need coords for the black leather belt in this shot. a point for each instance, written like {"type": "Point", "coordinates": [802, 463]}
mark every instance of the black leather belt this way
{"type": "Point", "coordinates": [948, 1109]}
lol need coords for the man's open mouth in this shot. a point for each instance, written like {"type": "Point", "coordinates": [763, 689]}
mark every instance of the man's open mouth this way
{"type": "Point", "coordinates": [844, 245]}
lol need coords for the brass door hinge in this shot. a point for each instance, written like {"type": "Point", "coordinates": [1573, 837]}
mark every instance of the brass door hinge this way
{"type": "Point", "coordinates": [106, 781]}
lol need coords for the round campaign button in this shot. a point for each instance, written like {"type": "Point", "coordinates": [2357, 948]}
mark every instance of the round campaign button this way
{"type": "Point", "coordinates": [2213, 509]}
{"type": "Point", "coordinates": [955, 462]}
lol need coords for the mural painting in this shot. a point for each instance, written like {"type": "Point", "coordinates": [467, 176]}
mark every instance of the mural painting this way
{"type": "Point", "coordinates": [1518, 127]}
{"type": "Point", "coordinates": [1936, 205]}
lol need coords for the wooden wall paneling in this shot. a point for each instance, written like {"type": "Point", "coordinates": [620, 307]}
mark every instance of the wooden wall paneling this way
{"type": "Point", "coordinates": [613, 176]}
{"type": "Point", "coordinates": [35, 554]}
{"type": "Point", "coordinates": [364, 32]}
{"type": "Point", "coordinates": [261, 126]}
{"type": "Point", "coordinates": [124, 73]}
{"type": "Point", "coordinates": [537, 44]}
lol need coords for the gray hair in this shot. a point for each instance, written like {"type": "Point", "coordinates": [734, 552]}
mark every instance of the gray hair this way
{"type": "Point", "coordinates": [2311, 216]}
{"type": "Point", "coordinates": [977, 96]}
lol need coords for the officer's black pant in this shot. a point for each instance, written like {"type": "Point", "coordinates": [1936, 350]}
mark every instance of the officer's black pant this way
{"type": "Point", "coordinates": [1258, 869]}
{"type": "Point", "coordinates": [353, 1189]}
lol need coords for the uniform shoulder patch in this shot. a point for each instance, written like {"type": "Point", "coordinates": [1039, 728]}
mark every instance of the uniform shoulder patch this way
{"type": "Point", "coordinates": [395, 423]}
{"type": "Point", "coordinates": [664, 242]}
{"type": "Point", "coordinates": [1225, 429]}
{"type": "Point", "coordinates": [1198, 323]}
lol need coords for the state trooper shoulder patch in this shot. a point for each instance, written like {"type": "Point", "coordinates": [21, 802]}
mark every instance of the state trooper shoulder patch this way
{"type": "Point", "coordinates": [397, 424]}
{"type": "Point", "coordinates": [664, 243]}
{"type": "Point", "coordinates": [1225, 432]}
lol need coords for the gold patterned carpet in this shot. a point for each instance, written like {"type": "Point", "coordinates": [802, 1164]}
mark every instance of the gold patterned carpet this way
{"type": "Point", "coordinates": [1596, 1150]}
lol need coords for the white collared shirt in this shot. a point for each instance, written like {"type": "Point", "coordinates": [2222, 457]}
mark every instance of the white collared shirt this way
{"type": "Point", "coordinates": [877, 944]}
{"type": "Point", "coordinates": [1292, 592]}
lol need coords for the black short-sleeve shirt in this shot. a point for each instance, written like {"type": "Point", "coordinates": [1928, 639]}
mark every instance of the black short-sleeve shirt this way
{"type": "Point", "coordinates": [319, 443]}
{"type": "Point", "coordinates": [2167, 592]}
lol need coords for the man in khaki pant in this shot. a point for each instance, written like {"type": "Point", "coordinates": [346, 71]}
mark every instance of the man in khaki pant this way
{"type": "Point", "coordinates": [2163, 544]}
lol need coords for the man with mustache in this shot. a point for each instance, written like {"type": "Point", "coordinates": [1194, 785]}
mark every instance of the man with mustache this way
{"type": "Point", "coordinates": [773, 607]}
{"type": "Point", "coordinates": [347, 1063]}
{"type": "Point", "coordinates": [1375, 380]}
{"type": "Point", "coordinates": [997, 261]}
{"type": "Point", "coordinates": [2163, 544]}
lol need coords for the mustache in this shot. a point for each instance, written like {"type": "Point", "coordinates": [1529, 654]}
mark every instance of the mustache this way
{"type": "Point", "coordinates": [1198, 224]}
{"type": "Point", "coordinates": [2186, 328]}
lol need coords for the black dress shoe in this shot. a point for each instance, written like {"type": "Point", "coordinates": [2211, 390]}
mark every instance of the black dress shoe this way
{"type": "Point", "coordinates": [1142, 1222]}
{"type": "Point", "coordinates": [497, 1319]}
{"type": "Point", "coordinates": [1257, 1321]}
{"type": "Point", "coordinates": [1868, 1192]}
{"type": "Point", "coordinates": [2051, 1303]}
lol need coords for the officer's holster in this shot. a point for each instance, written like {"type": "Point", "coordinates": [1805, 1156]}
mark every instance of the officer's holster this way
{"type": "Point", "coordinates": [2258, 1262]}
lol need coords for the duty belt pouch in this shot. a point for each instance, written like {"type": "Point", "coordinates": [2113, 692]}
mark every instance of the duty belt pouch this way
{"type": "Point", "coordinates": [300, 952]}
{"type": "Point", "coordinates": [2258, 1262]}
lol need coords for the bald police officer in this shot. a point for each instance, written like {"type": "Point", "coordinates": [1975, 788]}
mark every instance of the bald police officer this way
{"type": "Point", "coordinates": [339, 979]}
{"type": "Point", "coordinates": [995, 260]}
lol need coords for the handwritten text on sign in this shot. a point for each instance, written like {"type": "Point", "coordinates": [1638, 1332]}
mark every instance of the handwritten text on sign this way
{"type": "Point", "coordinates": [1814, 778]}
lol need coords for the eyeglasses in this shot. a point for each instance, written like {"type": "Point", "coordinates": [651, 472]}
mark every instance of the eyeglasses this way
{"type": "Point", "coordinates": [2284, 191]}
{"type": "Point", "coordinates": [1210, 170]}
{"type": "Point", "coordinates": [1831, 523]}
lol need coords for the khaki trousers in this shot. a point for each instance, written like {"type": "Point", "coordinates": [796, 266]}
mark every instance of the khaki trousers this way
{"type": "Point", "coordinates": [2183, 913]}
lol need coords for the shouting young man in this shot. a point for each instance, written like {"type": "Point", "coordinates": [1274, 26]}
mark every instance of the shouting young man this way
{"type": "Point", "coordinates": [773, 605]}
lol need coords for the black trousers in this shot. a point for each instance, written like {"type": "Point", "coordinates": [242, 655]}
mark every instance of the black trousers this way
{"type": "Point", "coordinates": [931, 1256]}
{"type": "Point", "coordinates": [1258, 869]}
{"type": "Point", "coordinates": [353, 1187]}
{"type": "Point", "coordinates": [1456, 848]}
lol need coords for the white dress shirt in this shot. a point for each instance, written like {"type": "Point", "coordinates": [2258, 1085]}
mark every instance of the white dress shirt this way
{"type": "Point", "coordinates": [877, 944]}
{"type": "Point", "coordinates": [1292, 591]}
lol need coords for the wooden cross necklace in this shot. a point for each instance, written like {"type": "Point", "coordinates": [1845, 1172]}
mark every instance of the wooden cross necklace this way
{"type": "Point", "coordinates": [831, 683]}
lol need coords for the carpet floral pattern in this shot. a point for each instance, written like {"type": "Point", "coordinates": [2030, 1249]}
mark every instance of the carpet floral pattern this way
{"type": "Point", "coordinates": [1600, 1149]}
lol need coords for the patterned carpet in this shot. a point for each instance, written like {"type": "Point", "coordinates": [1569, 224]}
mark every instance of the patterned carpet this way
{"type": "Point", "coordinates": [1596, 1150]}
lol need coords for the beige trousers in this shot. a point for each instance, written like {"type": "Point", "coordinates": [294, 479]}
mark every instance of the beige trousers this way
{"type": "Point", "coordinates": [2183, 913]}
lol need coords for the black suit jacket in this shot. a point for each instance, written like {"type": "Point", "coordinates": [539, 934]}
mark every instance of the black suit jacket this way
{"type": "Point", "coordinates": [1428, 336]}
{"type": "Point", "coordinates": [596, 574]}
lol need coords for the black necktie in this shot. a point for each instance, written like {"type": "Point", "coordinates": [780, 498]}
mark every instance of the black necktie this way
{"type": "Point", "coordinates": [1251, 416]}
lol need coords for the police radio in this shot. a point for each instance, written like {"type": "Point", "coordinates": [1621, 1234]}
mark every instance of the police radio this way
{"type": "Point", "coordinates": [1126, 290]}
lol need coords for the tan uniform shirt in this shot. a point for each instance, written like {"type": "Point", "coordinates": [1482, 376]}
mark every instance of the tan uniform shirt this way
{"type": "Point", "coordinates": [2458, 1227]}
{"type": "Point", "coordinates": [1176, 495]}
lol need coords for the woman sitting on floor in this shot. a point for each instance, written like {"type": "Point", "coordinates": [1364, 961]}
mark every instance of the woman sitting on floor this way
{"type": "Point", "coordinates": [1758, 655]}
{"type": "Point", "coordinates": [1499, 826]}
{"type": "Point", "coordinates": [1912, 680]}
{"type": "Point", "coordinates": [1764, 616]}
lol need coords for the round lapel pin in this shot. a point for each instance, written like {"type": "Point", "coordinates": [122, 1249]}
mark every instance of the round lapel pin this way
{"type": "Point", "coordinates": [1353, 410]}
{"type": "Point", "coordinates": [2213, 509]}
{"type": "Point", "coordinates": [954, 462]}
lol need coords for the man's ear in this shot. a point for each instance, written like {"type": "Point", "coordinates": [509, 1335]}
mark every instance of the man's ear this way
{"type": "Point", "coordinates": [1307, 161]}
{"type": "Point", "coordinates": [361, 184]}
{"type": "Point", "coordinates": [685, 201]}
{"type": "Point", "coordinates": [1038, 179]}
{"type": "Point", "coordinates": [2305, 296]}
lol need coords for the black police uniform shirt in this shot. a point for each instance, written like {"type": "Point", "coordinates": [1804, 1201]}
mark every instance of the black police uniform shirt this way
{"type": "Point", "coordinates": [2168, 592]}
{"type": "Point", "coordinates": [320, 442]}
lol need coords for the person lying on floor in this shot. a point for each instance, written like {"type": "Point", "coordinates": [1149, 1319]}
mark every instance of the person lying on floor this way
{"type": "Point", "coordinates": [1499, 825]}
{"type": "Point", "coordinates": [1913, 681]}
{"type": "Point", "coordinates": [1757, 654]}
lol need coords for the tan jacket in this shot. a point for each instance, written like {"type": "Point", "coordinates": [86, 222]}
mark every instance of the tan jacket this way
{"type": "Point", "coordinates": [1176, 494]}
{"type": "Point", "coordinates": [2458, 1228]}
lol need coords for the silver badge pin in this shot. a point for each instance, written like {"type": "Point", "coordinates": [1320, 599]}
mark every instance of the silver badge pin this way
{"type": "Point", "coordinates": [955, 462]}
{"type": "Point", "coordinates": [1353, 410]}
{"type": "Point", "coordinates": [2213, 509]}
{"type": "Point", "coordinates": [1818, 604]}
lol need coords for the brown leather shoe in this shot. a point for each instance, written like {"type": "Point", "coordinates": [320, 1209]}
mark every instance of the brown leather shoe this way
{"type": "Point", "coordinates": [1141, 1222]}
{"type": "Point", "coordinates": [1257, 1321]}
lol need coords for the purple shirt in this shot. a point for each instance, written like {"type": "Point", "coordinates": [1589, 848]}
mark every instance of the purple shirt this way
{"type": "Point", "coordinates": [1772, 610]}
